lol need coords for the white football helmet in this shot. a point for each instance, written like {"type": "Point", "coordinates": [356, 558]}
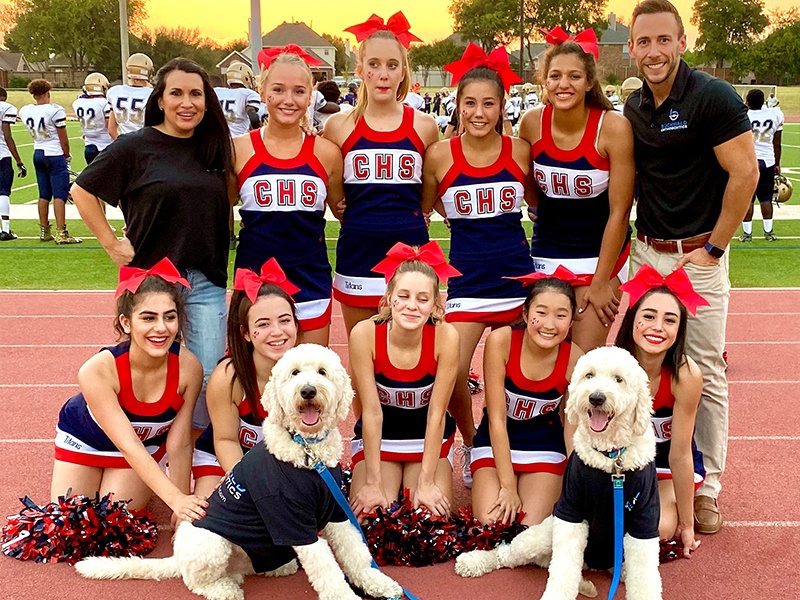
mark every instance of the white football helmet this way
{"type": "Point", "coordinates": [139, 67]}
{"type": "Point", "coordinates": [630, 85]}
{"type": "Point", "coordinates": [95, 84]}
{"type": "Point", "coordinates": [240, 73]}
{"type": "Point", "coordinates": [783, 189]}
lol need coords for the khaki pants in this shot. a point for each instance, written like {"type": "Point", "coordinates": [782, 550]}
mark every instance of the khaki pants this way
{"type": "Point", "coordinates": [705, 342]}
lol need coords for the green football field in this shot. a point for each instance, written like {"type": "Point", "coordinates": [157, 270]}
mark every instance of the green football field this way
{"type": "Point", "coordinates": [27, 264]}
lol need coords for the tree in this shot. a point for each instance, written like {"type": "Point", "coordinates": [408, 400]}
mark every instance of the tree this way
{"type": "Point", "coordinates": [341, 63]}
{"type": "Point", "coordinates": [165, 44]}
{"type": "Point", "coordinates": [491, 22]}
{"type": "Point", "coordinates": [85, 32]}
{"type": "Point", "coordinates": [433, 56]}
{"type": "Point", "coordinates": [727, 29]}
{"type": "Point", "coordinates": [778, 55]}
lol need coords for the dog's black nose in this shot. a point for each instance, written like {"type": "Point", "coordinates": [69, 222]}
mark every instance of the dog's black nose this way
{"type": "Point", "coordinates": [308, 392]}
{"type": "Point", "coordinates": [595, 398]}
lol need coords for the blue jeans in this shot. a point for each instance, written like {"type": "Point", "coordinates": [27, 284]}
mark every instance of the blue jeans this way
{"type": "Point", "coordinates": [204, 332]}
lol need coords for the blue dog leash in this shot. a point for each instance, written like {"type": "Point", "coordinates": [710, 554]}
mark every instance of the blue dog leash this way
{"type": "Point", "coordinates": [334, 488]}
{"type": "Point", "coordinates": [618, 483]}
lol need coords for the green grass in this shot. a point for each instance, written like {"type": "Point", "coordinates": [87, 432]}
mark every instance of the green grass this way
{"type": "Point", "coordinates": [30, 264]}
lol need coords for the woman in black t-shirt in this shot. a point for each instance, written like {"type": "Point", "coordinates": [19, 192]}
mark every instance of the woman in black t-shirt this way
{"type": "Point", "coordinates": [171, 180]}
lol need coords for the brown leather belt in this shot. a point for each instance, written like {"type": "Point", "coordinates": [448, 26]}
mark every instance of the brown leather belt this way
{"type": "Point", "coordinates": [675, 246]}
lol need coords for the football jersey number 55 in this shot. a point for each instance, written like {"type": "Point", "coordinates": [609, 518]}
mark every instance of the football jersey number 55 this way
{"type": "Point", "coordinates": [129, 110]}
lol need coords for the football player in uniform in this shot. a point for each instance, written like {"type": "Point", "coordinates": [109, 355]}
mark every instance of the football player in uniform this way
{"type": "Point", "coordinates": [767, 124]}
{"type": "Point", "coordinates": [93, 110]}
{"type": "Point", "coordinates": [8, 150]}
{"type": "Point", "coordinates": [531, 99]}
{"type": "Point", "coordinates": [128, 101]}
{"type": "Point", "coordinates": [47, 124]}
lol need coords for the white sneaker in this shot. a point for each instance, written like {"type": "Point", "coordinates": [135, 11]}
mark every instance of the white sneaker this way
{"type": "Point", "coordinates": [466, 469]}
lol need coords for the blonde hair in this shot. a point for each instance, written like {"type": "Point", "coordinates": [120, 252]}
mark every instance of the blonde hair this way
{"type": "Point", "coordinates": [411, 266]}
{"type": "Point", "coordinates": [287, 58]}
{"type": "Point", "coordinates": [403, 88]}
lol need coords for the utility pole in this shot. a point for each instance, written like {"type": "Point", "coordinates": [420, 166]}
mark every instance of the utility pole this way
{"type": "Point", "coordinates": [123, 36]}
{"type": "Point", "coordinates": [255, 33]}
{"type": "Point", "coordinates": [522, 39]}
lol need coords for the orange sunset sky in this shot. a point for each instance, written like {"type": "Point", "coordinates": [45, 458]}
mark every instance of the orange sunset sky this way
{"type": "Point", "coordinates": [227, 19]}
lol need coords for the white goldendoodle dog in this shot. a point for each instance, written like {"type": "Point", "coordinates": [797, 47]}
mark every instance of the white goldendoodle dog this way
{"type": "Point", "coordinates": [609, 400]}
{"type": "Point", "coordinates": [269, 508]}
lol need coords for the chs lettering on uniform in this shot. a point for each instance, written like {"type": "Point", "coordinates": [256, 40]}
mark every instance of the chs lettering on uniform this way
{"type": "Point", "coordinates": [385, 166]}
{"type": "Point", "coordinates": [247, 437]}
{"type": "Point", "coordinates": [559, 184]}
{"type": "Point", "coordinates": [265, 193]}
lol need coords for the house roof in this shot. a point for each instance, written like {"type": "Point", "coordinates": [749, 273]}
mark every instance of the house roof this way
{"type": "Point", "coordinates": [234, 56]}
{"type": "Point", "coordinates": [294, 33]}
{"type": "Point", "coordinates": [10, 61]}
{"type": "Point", "coordinates": [616, 33]}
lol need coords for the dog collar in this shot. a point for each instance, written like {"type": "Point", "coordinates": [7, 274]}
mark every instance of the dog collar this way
{"type": "Point", "coordinates": [615, 453]}
{"type": "Point", "coordinates": [306, 441]}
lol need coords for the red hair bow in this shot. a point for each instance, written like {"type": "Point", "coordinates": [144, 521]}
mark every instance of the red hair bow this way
{"type": "Point", "coordinates": [431, 254]}
{"type": "Point", "coordinates": [677, 282]}
{"type": "Point", "coordinates": [130, 278]}
{"type": "Point", "coordinates": [561, 272]}
{"type": "Point", "coordinates": [397, 24]}
{"type": "Point", "coordinates": [267, 55]}
{"type": "Point", "coordinates": [586, 39]}
{"type": "Point", "coordinates": [475, 56]}
{"type": "Point", "coordinates": [250, 283]}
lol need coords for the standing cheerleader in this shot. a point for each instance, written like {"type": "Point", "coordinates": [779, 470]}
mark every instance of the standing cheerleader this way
{"type": "Point", "coordinates": [135, 404]}
{"type": "Point", "coordinates": [477, 181]}
{"type": "Point", "coordinates": [404, 364]}
{"type": "Point", "coordinates": [654, 331]}
{"type": "Point", "coordinates": [285, 178]}
{"type": "Point", "coordinates": [520, 452]}
{"type": "Point", "coordinates": [383, 142]}
{"type": "Point", "coordinates": [262, 326]}
{"type": "Point", "coordinates": [583, 169]}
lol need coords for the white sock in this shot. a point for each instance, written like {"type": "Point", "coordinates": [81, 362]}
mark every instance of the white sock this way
{"type": "Point", "coordinates": [767, 225]}
{"type": "Point", "coordinates": [5, 212]}
{"type": "Point", "coordinates": [747, 226]}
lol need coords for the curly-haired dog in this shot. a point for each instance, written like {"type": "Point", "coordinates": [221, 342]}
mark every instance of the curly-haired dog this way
{"type": "Point", "coordinates": [269, 508]}
{"type": "Point", "coordinates": [609, 400]}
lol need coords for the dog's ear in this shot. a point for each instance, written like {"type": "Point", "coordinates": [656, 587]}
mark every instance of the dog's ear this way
{"type": "Point", "coordinates": [270, 398]}
{"type": "Point", "coordinates": [640, 385]}
{"type": "Point", "coordinates": [345, 389]}
{"type": "Point", "coordinates": [571, 410]}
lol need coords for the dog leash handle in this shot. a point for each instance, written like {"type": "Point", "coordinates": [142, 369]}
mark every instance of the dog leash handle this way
{"type": "Point", "coordinates": [618, 482]}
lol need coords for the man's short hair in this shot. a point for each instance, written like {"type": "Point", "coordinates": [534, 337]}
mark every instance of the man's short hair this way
{"type": "Point", "coordinates": [3, 94]}
{"type": "Point", "coordinates": [653, 7]}
{"type": "Point", "coordinates": [755, 99]}
{"type": "Point", "coordinates": [329, 90]}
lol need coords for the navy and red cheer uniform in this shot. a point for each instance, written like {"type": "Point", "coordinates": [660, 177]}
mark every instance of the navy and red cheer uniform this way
{"type": "Point", "coordinates": [573, 206]}
{"type": "Point", "coordinates": [283, 217]}
{"type": "Point", "coordinates": [251, 432]}
{"type": "Point", "coordinates": [405, 395]}
{"type": "Point", "coordinates": [663, 407]}
{"type": "Point", "coordinates": [487, 241]}
{"type": "Point", "coordinates": [533, 422]}
{"type": "Point", "coordinates": [79, 438]}
{"type": "Point", "coordinates": [383, 198]}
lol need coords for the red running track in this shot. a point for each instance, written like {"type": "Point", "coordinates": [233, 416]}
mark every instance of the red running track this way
{"type": "Point", "coordinates": [46, 336]}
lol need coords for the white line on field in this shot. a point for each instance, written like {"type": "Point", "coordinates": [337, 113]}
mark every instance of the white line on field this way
{"type": "Point", "coordinates": [762, 438]}
{"type": "Point", "coordinates": [769, 524]}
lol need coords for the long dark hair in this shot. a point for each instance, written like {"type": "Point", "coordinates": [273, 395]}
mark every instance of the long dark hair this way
{"type": "Point", "coordinates": [239, 349]}
{"type": "Point", "coordinates": [676, 354]}
{"type": "Point", "coordinates": [128, 301]}
{"type": "Point", "coordinates": [595, 98]}
{"type": "Point", "coordinates": [214, 151]}
{"type": "Point", "coordinates": [484, 74]}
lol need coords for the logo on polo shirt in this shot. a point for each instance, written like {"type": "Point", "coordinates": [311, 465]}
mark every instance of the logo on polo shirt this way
{"type": "Point", "coordinates": [674, 124]}
{"type": "Point", "coordinates": [673, 115]}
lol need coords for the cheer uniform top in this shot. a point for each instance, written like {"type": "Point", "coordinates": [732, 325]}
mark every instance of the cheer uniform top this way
{"type": "Point", "coordinates": [573, 206]}
{"type": "Point", "coordinates": [663, 405]}
{"type": "Point", "coordinates": [251, 432]}
{"type": "Point", "coordinates": [92, 112]}
{"type": "Point", "coordinates": [487, 241]}
{"type": "Point", "coordinates": [128, 103]}
{"type": "Point", "coordinates": [235, 103]}
{"type": "Point", "coordinates": [405, 395]}
{"type": "Point", "coordinates": [383, 193]}
{"type": "Point", "coordinates": [79, 438]}
{"type": "Point", "coordinates": [283, 217]}
{"type": "Point", "coordinates": [533, 423]}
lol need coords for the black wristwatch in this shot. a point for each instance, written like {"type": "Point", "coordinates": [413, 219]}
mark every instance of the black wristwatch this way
{"type": "Point", "coordinates": [713, 250]}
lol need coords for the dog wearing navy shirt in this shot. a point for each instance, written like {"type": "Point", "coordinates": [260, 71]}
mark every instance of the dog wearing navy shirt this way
{"type": "Point", "coordinates": [610, 402]}
{"type": "Point", "coordinates": [269, 509]}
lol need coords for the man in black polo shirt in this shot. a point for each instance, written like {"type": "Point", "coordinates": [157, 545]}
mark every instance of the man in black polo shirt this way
{"type": "Point", "coordinates": [697, 172]}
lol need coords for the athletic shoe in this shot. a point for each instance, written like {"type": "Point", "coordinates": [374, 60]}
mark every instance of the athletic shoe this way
{"type": "Point", "coordinates": [474, 382]}
{"type": "Point", "coordinates": [770, 237]}
{"type": "Point", "coordinates": [7, 236]}
{"type": "Point", "coordinates": [45, 234]}
{"type": "Point", "coordinates": [725, 358]}
{"type": "Point", "coordinates": [466, 469]}
{"type": "Point", "coordinates": [63, 237]}
{"type": "Point", "coordinates": [746, 237]}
